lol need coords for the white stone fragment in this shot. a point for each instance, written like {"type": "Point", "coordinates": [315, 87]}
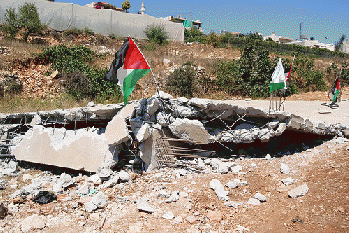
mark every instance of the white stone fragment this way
{"type": "Point", "coordinates": [284, 168]}
{"type": "Point", "coordinates": [287, 181]}
{"type": "Point", "coordinates": [168, 215]}
{"type": "Point", "coordinates": [299, 191]}
{"type": "Point", "coordinates": [219, 189]}
{"type": "Point", "coordinates": [253, 201]}
{"type": "Point", "coordinates": [143, 205]}
{"type": "Point", "coordinates": [260, 197]}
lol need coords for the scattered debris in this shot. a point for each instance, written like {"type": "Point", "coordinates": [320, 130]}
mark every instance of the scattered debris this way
{"type": "Point", "coordinates": [219, 189]}
{"type": "Point", "coordinates": [44, 197]}
{"type": "Point", "coordinates": [299, 191]}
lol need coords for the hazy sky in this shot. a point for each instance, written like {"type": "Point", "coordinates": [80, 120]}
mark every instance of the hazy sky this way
{"type": "Point", "coordinates": [320, 18]}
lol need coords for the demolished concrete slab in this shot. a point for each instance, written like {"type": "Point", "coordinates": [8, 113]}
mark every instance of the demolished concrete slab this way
{"type": "Point", "coordinates": [190, 130]}
{"type": "Point", "coordinates": [81, 149]}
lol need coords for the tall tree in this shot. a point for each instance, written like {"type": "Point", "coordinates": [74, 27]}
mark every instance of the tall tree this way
{"type": "Point", "coordinates": [339, 43]}
{"type": "Point", "coordinates": [126, 5]}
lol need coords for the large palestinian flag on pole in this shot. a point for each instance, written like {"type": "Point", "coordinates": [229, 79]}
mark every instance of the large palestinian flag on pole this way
{"type": "Point", "coordinates": [128, 67]}
{"type": "Point", "coordinates": [278, 79]}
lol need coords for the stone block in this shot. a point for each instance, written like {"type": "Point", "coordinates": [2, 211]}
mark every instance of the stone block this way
{"type": "Point", "coordinates": [190, 130]}
{"type": "Point", "coordinates": [116, 131]}
{"type": "Point", "coordinates": [79, 150]}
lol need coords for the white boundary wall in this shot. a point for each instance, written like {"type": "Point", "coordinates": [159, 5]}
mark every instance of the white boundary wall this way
{"type": "Point", "coordinates": [63, 16]}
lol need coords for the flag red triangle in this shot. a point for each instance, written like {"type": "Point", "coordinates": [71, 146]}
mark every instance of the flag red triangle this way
{"type": "Point", "coordinates": [134, 58]}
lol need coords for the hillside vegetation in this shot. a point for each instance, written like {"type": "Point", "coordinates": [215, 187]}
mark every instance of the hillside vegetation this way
{"type": "Point", "coordinates": [46, 69]}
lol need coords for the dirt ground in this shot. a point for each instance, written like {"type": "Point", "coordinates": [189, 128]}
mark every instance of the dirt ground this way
{"type": "Point", "coordinates": [324, 169]}
{"type": "Point", "coordinates": [324, 208]}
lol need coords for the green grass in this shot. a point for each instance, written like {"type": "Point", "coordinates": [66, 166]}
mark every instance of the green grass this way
{"type": "Point", "coordinates": [18, 104]}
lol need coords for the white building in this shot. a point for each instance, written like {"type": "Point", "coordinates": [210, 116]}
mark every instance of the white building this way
{"type": "Point", "coordinates": [345, 47]}
{"type": "Point", "coordinates": [279, 39]}
{"type": "Point", "coordinates": [304, 42]}
{"type": "Point", "coordinates": [313, 44]}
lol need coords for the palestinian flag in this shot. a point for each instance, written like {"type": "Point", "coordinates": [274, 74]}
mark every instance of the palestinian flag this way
{"type": "Point", "coordinates": [278, 79]}
{"type": "Point", "coordinates": [335, 90]}
{"type": "Point", "coordinates": [128, 67]}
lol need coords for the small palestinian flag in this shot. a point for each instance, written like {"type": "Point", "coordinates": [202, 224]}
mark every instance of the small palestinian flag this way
{"type": "Point", "coordinates": [335, 90]}
{"type": "Point", "coordinates": [128, 67]}
{"type": "Point", "coordinates": [278, 79]}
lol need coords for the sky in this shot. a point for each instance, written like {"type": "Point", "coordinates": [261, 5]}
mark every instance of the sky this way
{"type": "Point", "coordinates": [319, 18]}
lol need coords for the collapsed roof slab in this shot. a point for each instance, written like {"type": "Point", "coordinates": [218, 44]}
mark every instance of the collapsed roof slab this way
{"type": "Point", "coordinates": [80, 149]}
{"type": "Point", "coordinates": [97, 112]}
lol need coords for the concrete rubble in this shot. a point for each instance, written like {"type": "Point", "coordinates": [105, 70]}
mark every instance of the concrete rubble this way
{"type": "Point", "coordinates": [144, 124]}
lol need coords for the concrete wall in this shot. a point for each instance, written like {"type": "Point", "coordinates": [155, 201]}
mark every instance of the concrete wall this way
{"type": "Point", "coordinates": [63, 16]}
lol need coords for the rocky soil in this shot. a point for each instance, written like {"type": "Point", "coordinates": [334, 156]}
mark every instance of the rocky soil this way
{"type": "Point", "coordinates": [303, 192]}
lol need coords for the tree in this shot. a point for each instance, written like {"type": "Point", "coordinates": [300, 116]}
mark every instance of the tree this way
{"type": "Point", "coordinates": [126, 5]}
{"type": "Point", "coordinates": [339, 43]}
{"type": "Point", "coordinates": [11, 26]}
{"type": "Point", "coordinates": [29, 20]}
{"type": "Point", "coordinates": [156, 34]}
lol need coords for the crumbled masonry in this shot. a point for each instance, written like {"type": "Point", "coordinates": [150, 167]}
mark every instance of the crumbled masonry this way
{"type": "Point", "coordinates": [91, 138]}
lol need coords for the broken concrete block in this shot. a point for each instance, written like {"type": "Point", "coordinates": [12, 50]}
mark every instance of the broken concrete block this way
{"type": "Point", "coordinates": [143, 205]}
{"type": "Point", "coordinates": [219, 189]}
{"type": "Point", "coordinates": [199, 103]}
{"type": "Point", "coordinates": [280, 129]}
{"type": "Point", "coordinates": [147, 151]}
{"type": "Point", "coordinates": [143, 133]}
{"type": "Point", "coordinates": [164, 95]}
{"type": "Point", "coordinates": [295, 122]}
{"type": "Point", "coordinates": [164, 119]}
{"type": "Point", "coordinates": [153, 105]}
{"type": "Point", "coordinates": [36, 120]}
{"type": "Point", "coordinates": [116, 131]}
{"type": "Point", "coordinates": [190, 130]}
{"type": "Point", "coordinates": [80, 149]}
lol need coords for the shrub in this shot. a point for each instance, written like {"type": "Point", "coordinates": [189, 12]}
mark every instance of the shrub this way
{"type": "Point", "coordinates": [76, 84]}
{"type": "Point", "coordinates": [11, 25]}
{"type": "Point", "coordinates": [156, 34]}
{"type": "Point", "coordinates": [228, 76]}
{"type": "Point", "coordinates": [10, 85]}
{"type": "Point", "coordinates": [27, 19]}
{"type": "Point", "coordinates": [80, 80]}
{"type": "Point", "coordinates": [68, 59]}
{"type": "Point", "coordinates": [88, 31]}
{"type": "Point", "coordinates": [73, 31]}
{"type": "Point", "coordinates": [183, 80]}
{"type": "Point", "coordinates": [192, 34]}
{"type": "Point", "coordinates": [212, 39]}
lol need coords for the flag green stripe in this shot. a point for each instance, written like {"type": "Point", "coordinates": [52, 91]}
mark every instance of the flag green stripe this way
{"type": "Point", "coordinates": [276, 86]}
{"type": "Point", "coordinates": [335, 95]}
{"type": "Point", "coordinates": [131, 80]}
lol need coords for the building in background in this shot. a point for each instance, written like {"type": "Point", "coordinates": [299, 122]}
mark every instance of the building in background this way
{"type": "Point", "coordinates": [279, 39]}
{"type": "Point", "coordinates": [345, 47]}
{"type": "Point", "coordinates": [303, 42]}
{"type": "Point", "coordinates": [186, 22]}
